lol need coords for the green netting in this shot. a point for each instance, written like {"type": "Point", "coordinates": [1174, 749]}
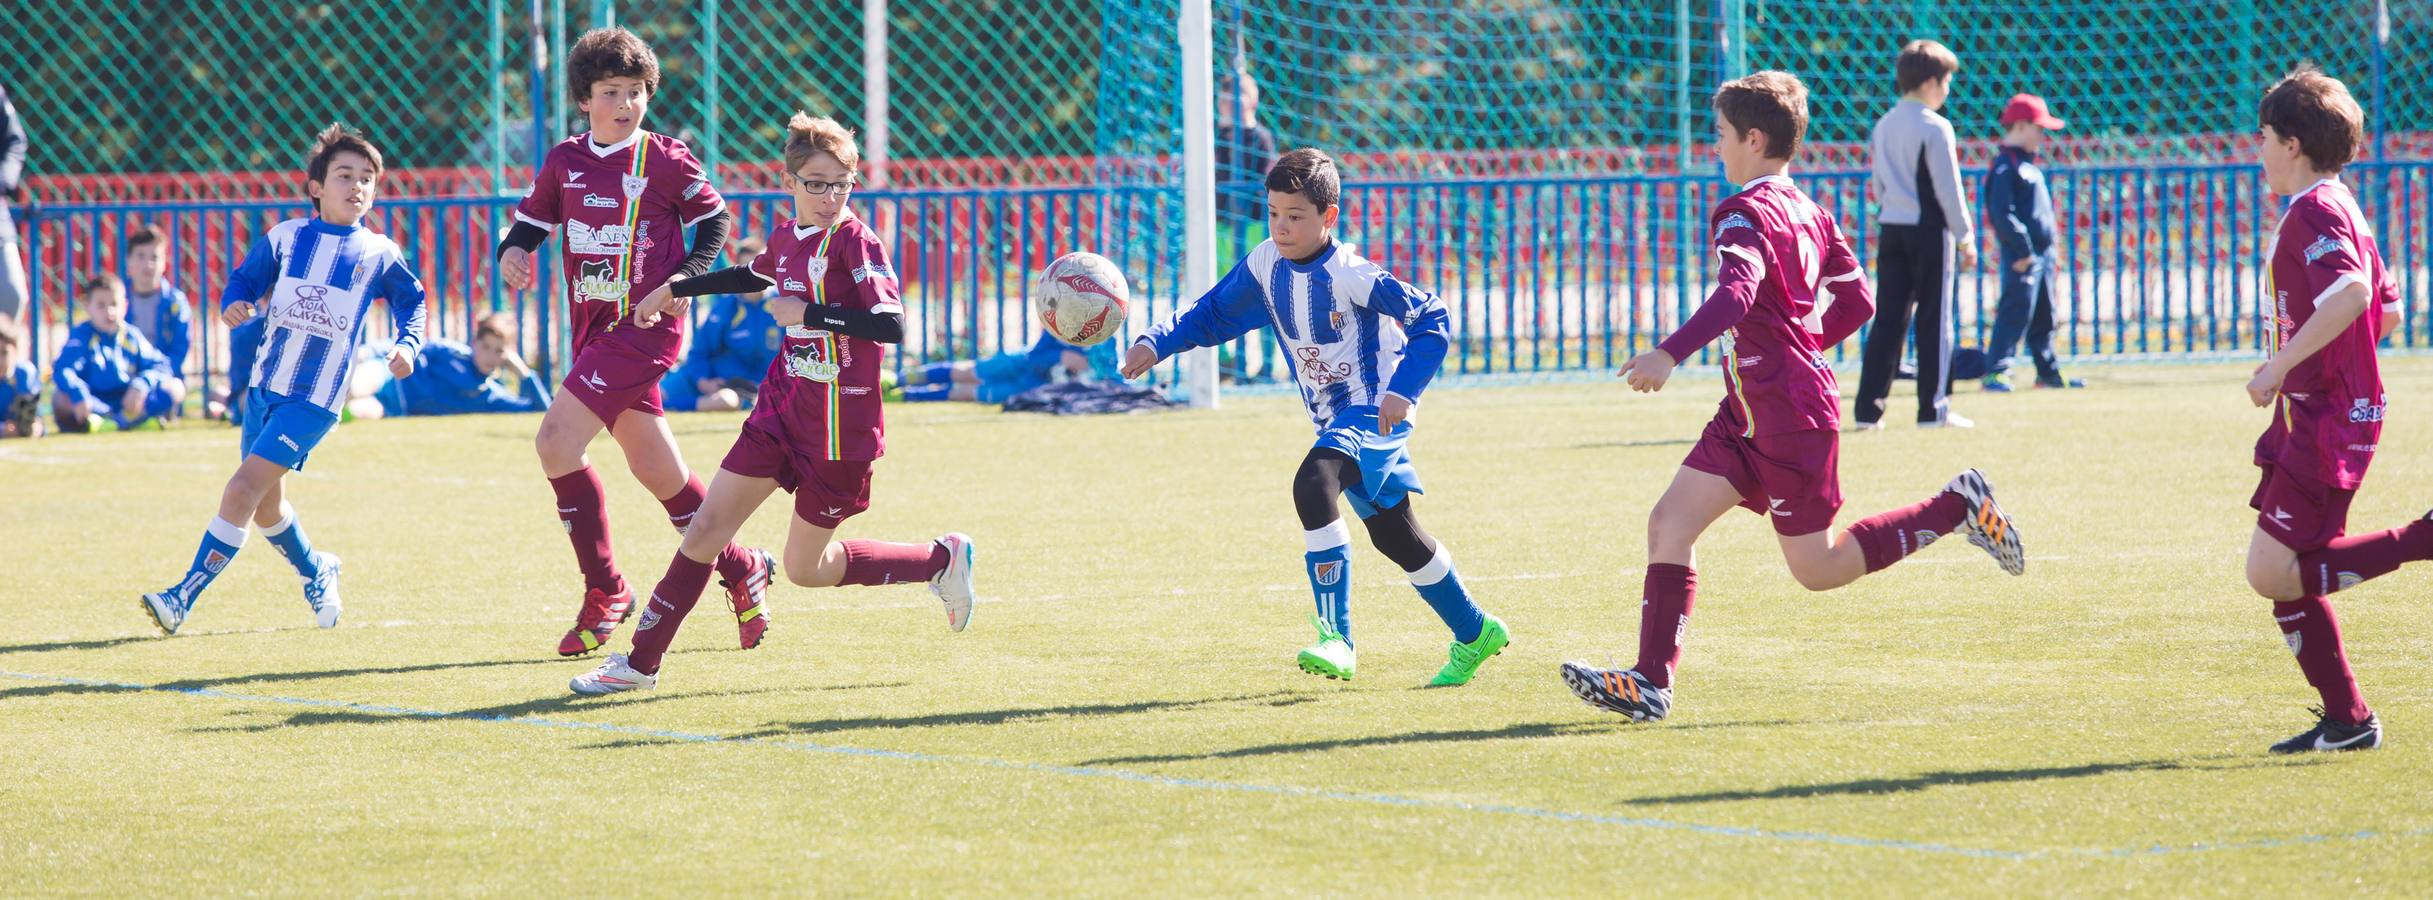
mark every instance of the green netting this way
{"type": "Point", "coordinates": [987, 92]}
{"type": "Point", "coordinates": [1503, 87]}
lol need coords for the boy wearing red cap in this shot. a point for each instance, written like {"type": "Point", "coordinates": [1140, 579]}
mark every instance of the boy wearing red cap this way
{"type": "Point", "coordinates": [2020, 209]}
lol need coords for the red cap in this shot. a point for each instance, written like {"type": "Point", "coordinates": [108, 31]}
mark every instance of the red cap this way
{"type": "Point", "coordinates": [2028, 108]}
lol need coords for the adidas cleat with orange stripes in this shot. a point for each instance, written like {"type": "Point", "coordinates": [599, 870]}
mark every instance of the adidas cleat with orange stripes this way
{"type": "Point", "coordinates": [1619, 690]}
{"type": "Point", "coordinates": [1987, 526]}
{"type": "Point", "coordinates": [598, 619]}
{"type": "Point", "coordinates": [750, 600]}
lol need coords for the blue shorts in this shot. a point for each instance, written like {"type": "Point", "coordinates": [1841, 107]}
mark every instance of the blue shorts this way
{"type": "Point", "coordinates": [1386, 473]}
{"type": "Point", "coordinates": [281, 428]}
{"type": "Point", "coordinates": [157, 403]}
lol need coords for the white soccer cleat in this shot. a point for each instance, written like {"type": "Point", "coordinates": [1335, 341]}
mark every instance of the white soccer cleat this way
{"type": "Point", "coordinates": [167, 609]}
{"type": "Point", "coordinates": [322, 592]}
{"type": "Point", "coordinates": [613, 676]}
{"type": "Point", "coordinates": [1987, 526]}
{"type": "Point", "coordinates": [954, 585]}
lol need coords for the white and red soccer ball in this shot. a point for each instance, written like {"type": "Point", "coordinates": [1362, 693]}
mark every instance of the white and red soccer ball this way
{"type": "Point", "coordinates": [1082, 298]}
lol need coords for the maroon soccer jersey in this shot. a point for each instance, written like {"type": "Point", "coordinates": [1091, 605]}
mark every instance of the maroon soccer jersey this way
{"type": "Point", "coordinates": [2329, 416]}
{"type": "Point", "coordinates": [822, 393]}
{"type": "Point", "coordinates": [625, 209]}
{"type": "Point", "coordinates": [1779, 251]}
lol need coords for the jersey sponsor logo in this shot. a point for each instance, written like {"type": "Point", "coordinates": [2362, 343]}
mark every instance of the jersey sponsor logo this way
{"type": "Point", "coordinates": [814, 359]}
{"type": "Point", "coordinates": [869, 271]}
{"type": "Point", "coordinates": [2364, 410]}
{"type": "Point", "coordinates": [310, 313]}
{"type": "Point", "coordinates": [2324, 245]}
{"type": "Point", "coordinates": [1317, 371]}
{"type": "Point", "coordinates": [596, 201]}
{"type": "Point", "coordinates": [605, 240]}
{"type": "Point", "coordinates": [574, 182]}
{"type": "Point", "coordinates": [598, 282]}
{"type": "Point", "coordinates": [1747, 361]}
{"type": "Point", "coordinates": [853, 391]}
{"type": "Point", "coordinates": [1735, 220]}
{"type": "Point", "coordinates": [796, 285]}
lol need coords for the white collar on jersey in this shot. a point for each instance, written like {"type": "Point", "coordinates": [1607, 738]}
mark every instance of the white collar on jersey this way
{"type": "Point", "coordinates": [597, 150]}
{"type": "Point", "coordinates": [1784, 180]}
{"type": "Point", "coordinates": [2309, 189]}
{"type": "Point", "coordinates": [804, 231]}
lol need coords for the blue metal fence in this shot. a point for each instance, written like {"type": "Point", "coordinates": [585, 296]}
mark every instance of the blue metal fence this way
{"type": "Point", "coordinates": [1541, 274]}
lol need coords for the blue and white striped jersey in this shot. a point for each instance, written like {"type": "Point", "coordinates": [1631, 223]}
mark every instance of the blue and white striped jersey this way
{"type": "Point", "coordinates": [1351, 330]}
{"type": "Point", "coordinates": [313, 284]}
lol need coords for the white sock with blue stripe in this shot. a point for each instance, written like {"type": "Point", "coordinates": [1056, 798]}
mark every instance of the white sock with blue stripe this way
{"type": "Point", "coordinates": [220, 542]}
{"type": "Point", "coordinates": [1330, 575]}
{"type": "Point", "coordinates": [289, 537]}
{"type": "Point", "coordinates": [1441, 587]}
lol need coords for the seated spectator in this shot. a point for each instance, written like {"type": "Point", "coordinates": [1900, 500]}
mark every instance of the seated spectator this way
{"type": "Point", "coordinates": [451, 378]}
{"type": "Point", "coordinates": [20, 385]}
{"type": "Point", "coordinates": [1000, 377]}
{"type": "Point", "coordinates": [107, 372]}
{"type": "Point", "coordinates": [155, 307]}
{"type": "Point", "coordinates": [732, 350]}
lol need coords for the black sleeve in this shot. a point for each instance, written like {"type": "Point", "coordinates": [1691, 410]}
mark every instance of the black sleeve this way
{"type": "Point", "coordinates": [709, 239]}
{"type": "Point", "coordinates": [885, 328]}
{"type": "Point", "coordinates": [523, 236]}
{"type": "Point", "coordinates": [730, 280]}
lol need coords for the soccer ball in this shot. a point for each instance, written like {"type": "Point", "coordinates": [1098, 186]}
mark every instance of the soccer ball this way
{"type": "Point", "coordinates": [1082, 298]}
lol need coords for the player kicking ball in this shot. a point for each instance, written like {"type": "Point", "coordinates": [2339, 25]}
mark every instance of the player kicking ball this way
{"type": "Point", "coordinates": [816, 429]}
{"type": "Point", "coordinates": [1365, 346]}
{"type": "Point", "coordinates": [2327, 398]}
{"type": "Point", "coordinates": [313, 282]}
{"type": "Point", "coordinates": [1774, 444]}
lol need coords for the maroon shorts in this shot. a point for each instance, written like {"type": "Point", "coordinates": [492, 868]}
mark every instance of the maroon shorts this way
{"type": "Point", "coordinates": [826, 491]}
{"type": "Point", "coordinates": [2300, 512]}
{"type": "Point", "coordinates": [609, 378]}
{"type": "Point", "coordinates": [1793, 478]}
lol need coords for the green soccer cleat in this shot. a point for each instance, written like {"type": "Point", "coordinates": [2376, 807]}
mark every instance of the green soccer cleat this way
{"type": "Point", "coordinates": [1466, 658]}
{"type": "Point", "coordinates": [1332, 656]}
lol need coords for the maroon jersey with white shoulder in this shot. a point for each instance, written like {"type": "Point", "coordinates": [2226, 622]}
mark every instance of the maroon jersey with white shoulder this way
{"type": "Point", "coordinates": [1788, 288]}
{"type": "Point", "coordinates": [2329, 416]}
{"type": "Point", "coordinates": [625, 209]}
{"type": "Point", "coordinates": [822, 393]}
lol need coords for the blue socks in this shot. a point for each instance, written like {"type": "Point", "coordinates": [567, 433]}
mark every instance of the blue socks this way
{"type": "Point", "coordinates": [1438, 585]}
{"type": "Point", "coordinates": [220, 542]}
{"type": "Point", "coordinates": [1330, 575]}
{"type": "Point", "coordinates": [289, 538]}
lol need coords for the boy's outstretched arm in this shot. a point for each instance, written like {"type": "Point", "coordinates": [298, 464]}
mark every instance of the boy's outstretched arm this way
{"type": "Point", "coordinates": [1735, 292]}
{"type": "Point", "coordinates": [1229, 310]}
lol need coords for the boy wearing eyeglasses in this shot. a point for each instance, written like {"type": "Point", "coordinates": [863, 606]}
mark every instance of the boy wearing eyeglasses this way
{"type": "Point", "coordinates": [816, 430]}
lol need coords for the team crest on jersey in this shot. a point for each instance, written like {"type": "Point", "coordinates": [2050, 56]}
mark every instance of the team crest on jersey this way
{"type": "Point", "coordinates": [606, 240]}
{"type": "Point", "coordinates": [598, 282]}
{"type": "Point", "coordinates": [818, 267]}
{"type": "Point", "coordinates": [633, 185]}
{"type": "Point", "coordinates": [1735, 220]}
{"type": "Point", "coordinates": [1316, 370]}
{"type": "Point", "coordinates": [310, 313]}
{"type": "Point", "coordinates": [1335, 319]}
{"type": "Point", "coordinates": [2324, 245]}
{"type": "Point", "coordinates": [815, 359]}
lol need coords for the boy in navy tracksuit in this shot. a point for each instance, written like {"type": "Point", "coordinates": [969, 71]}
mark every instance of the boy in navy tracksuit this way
{"type": "Point", "coordinates": [2019, 207]}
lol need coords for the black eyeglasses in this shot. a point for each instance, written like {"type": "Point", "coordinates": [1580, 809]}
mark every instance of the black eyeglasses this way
{"type": "Point", "coordinates": [822, 188]}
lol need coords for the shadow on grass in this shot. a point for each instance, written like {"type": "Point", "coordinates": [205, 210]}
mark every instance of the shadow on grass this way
{"type": "Point", "coordinates": [202, 684]}
{"type": "Point", "coordinates": [1520, 731]}
{"type": "Point", "coordinates": [1963, 777]}
{"type": "Point", "coordinates": [370, 714]}
{"type": "Point", "coordinates": [1001, 716]}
